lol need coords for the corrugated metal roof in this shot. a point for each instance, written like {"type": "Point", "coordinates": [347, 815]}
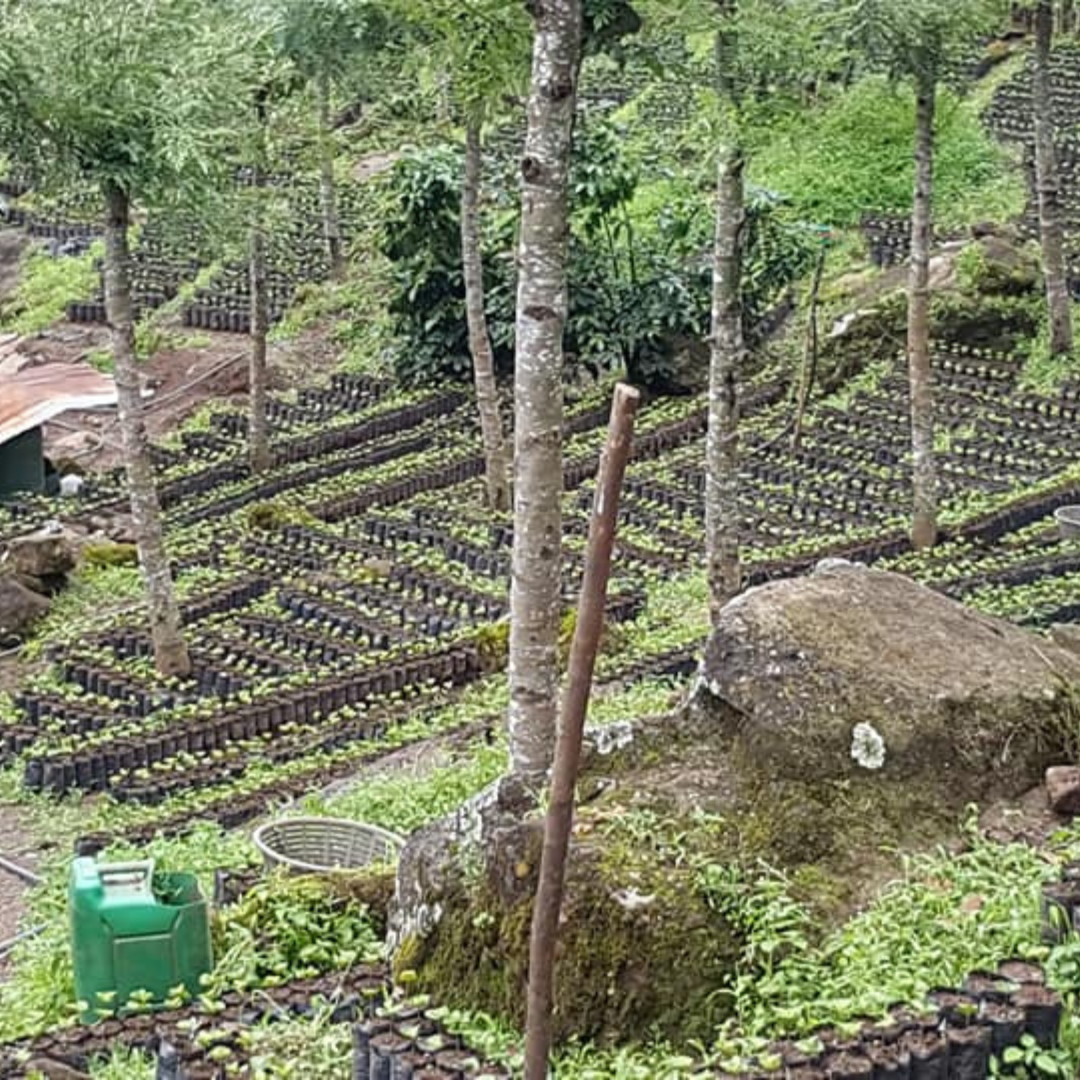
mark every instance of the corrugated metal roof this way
{"type": "Point", "coordinates": [35, 395]}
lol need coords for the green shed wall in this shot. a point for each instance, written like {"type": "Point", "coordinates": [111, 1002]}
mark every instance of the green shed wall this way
{"type": "Point", "coordinates": [22, 463]}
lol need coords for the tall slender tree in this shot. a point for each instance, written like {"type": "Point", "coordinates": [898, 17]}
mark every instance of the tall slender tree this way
{"type": "Point", "coordinates": [328, 192]}
{"type": "Point", "coordinates": [765, 54]}
{"type": "Point", "coordinates": [1051, 221]}
{"type": "Point", "coordinates": [496, 448]}
{"type": "Point", "coordinates": [324, 39]}
{"type": "Point", "coordinates": [480, 54]}
{"type": "Point", "coordinates": [727, 346]}
{"type": "Point", "coordinates": [170, 648]}
{"type": "Point", "coordinates": [277, 82]}
{"type": "Point", "coordinates": [258, 286]}
{"type": "Point", "coordinates": [920, 373]}
{"type": "Point", "coordinates": [535, 595]}
{"type": "Point", "coordinates": [135, 99]}
{"type": "Point", "coordinates": [923, 41]}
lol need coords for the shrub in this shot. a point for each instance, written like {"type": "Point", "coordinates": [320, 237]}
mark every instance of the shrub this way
{"type": "Point", "coordinates": [639, 269]}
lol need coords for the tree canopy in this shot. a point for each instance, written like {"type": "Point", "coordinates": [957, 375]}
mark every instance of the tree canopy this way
{"type": "Point", "coordinates": [122, 92]}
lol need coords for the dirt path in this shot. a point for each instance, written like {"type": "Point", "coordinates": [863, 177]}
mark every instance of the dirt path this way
{"type": "Point", "coordinates": [16, 846]}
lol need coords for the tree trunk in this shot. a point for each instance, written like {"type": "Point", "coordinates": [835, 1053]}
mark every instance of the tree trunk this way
{"type": "Point", "coordinates": [727, 351]}
{"type": "Point", "coordinates": [920, 376]}
{"type": "Point", "coordinates": [1065, 18]}
{"type": "Point", "coordinates": [1051, 225]}
{"type": "Point", "coordinates": [328, 186]}
{"type": "Point", "coordinates": [497, 465]}
{"type": "Point", "coordinates": [808, 376]}
{"type": "Point", "coordinates": [258, 426]}
{"type": "Point", "coordinates": [536, 594]}
{"type": "Point", "coordinates": [170, 650]}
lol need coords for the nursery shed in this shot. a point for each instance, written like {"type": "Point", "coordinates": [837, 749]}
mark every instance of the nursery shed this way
{"type": "Point", "coordinates": [29, 399]}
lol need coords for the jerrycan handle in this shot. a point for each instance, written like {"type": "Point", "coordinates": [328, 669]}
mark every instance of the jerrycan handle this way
{"type": "Point", "coordinates": [127, 878]}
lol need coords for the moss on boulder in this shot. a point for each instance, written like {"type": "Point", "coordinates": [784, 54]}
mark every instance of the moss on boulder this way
{"type": "Point", "coordinates": [985, 293]}
{"type": "Point", "coordinates": [841, 719]}
{"type": "Point", "coordinates": [639, 948]}
{"type": "Point", "coordinates": [101, 553]}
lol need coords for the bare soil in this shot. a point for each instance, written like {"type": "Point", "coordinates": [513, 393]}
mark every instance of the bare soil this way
{"type": "Point", "coordinates": [15, 846]}
{"type": "Point", "coordinates": [181, 381]}
{"type": "Point", "coordinates": [1026, 820]}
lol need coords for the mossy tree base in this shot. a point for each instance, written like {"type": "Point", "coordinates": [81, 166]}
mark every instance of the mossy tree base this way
{"type": "Point", "coordinates": [758, 771]}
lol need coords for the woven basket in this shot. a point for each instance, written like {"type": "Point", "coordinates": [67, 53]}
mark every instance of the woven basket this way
{"type": "Point", "coordinates": [1068, 522]}
{"type": "Point", "coordinates": [316, 844]}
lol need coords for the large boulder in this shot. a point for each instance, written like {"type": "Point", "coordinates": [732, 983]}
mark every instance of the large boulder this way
{"type": "Point", "coordinates": [838, 718]}
{"type": "Point", "coordinates": [20, 608]}
{"type": "Point", "coordinates": [965, 703]}
{"type": "Point", "coordinates": [48, 554]}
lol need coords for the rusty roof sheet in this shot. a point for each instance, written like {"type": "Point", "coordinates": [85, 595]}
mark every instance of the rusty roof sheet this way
{"type": "Point", "coordinates": [35, 395]}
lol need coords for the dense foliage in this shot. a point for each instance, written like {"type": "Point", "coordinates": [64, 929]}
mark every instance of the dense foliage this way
{"type": "Point", "coordinates": [639, 258]}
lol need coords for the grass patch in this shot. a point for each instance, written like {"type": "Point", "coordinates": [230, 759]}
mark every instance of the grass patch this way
{"type": "Point", "coordinates": [1043, 371]}
{"type": "Point", "coordinates": [46, 286]}
{"type": "Point", "coordinates": [403, 802]}
{"type": "Point", "coordinates": [855, 156]}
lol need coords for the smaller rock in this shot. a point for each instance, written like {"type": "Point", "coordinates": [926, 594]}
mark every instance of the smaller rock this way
{"type": "Point", "coordinates": [34, 584]}
{"type": "Point", "coordinates": [20, 608]}
{"type": "Point", "coordinates": [121, 529]}
{"type": "Point", "coordinates": [48, 553]}
{"type": "Point", "coordinates": [1063, 789]}
{"type": "Point", "coordinates": [54, 1069]}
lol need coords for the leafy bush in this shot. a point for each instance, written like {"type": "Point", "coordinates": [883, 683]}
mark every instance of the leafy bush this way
{"type": "Point", "coordinates": [421, 237]}
{"type": "Point", "coordinates": [639, 266]}
{"type": "Point", "coordinates": [290, 927]}
{"type": "Point", "coordinates": [855, 156]}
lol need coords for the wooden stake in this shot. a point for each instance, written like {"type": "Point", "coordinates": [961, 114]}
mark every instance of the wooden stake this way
{"type": "Point", "coordinates": [560, 814]}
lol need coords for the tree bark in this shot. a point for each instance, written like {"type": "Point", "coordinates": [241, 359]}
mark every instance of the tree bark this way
{"type": "Point", "coordinates": [920, 375]}
{"type": "Point", "coordinates": [1065, 17]}
{"type": "Point", "coordinates": [727, 352]}
{"type": "Point", "coordinates": [536, 594]}
{"type": "Point", "coordinates": [328, 186]}
{"type": "Point", "coordinates": [497, 464]}
{"type": "Point", "coordinates": [170, 650]}
{"type": "Point", "coordinates": [1051, 223]}
{"type": "Point", "coordinates": [810, 354]}
{"type": "Point", "coordinates": [258, 425]}
{"type": "Point", "coordinates": [560, 815]}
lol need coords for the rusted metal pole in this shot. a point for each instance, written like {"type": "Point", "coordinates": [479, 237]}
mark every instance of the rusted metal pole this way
{"type": "Point", "coordinates": [560, 814]}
